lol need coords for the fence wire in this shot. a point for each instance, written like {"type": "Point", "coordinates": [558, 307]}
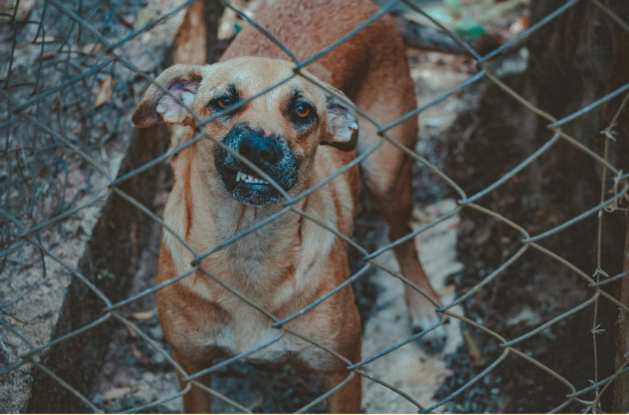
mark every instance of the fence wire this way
{"type": "Point", "coordinates": [61, 81]}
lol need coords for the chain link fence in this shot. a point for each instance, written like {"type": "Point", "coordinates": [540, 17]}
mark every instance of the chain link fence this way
{"type": "Point", "coordinates": [66, 100]}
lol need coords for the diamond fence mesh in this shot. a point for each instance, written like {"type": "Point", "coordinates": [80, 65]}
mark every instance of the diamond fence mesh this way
{"type": "Point", "coordinates": [76, 94]}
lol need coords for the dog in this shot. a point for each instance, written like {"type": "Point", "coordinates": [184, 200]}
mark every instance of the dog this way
{"type": "Point", "coordinates": [297, 134]}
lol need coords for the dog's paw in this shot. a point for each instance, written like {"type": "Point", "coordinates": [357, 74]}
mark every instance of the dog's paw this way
{"type": "Point", "coordinates": [434, 339]}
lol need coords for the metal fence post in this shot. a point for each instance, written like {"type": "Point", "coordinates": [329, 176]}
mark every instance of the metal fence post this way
{"type": "Point", "coordinates": [621, 386]}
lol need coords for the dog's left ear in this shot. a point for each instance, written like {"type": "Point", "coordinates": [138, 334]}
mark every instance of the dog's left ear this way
{"type": "Point", "coordinates": [342, 123]}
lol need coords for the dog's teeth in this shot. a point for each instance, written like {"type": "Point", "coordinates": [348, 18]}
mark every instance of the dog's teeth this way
{"type": "Point", "coordinates": [247, 178]}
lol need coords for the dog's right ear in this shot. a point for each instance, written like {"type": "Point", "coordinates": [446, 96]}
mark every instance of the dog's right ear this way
{"type": "Point", "coordinates": [342, 122]}
{"type": "Point", "coordinates": [182, 81]}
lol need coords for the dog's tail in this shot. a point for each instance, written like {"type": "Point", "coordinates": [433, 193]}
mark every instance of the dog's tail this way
{"type": "Point", "coordinates": [189, 45]}
{"type": "Point", "coordinates": [419, 36]}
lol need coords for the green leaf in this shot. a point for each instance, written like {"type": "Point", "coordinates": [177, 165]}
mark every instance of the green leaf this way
{"type": "Point", "coordinates": [470, 27]}
{"type": "Point", "coordinates": [106, 273]}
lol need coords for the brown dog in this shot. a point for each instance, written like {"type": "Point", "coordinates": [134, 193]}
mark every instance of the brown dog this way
{"type": "Point", "coordinates": [297, 134]}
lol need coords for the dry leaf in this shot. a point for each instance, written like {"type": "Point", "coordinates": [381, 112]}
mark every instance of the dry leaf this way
{"type": "Point", "coordinates": [473, 349]}
{"type": "Point", "coordinates": [104, 92]}
{"type": "Point", "coordinates": [92, 48]}
{"type": "Point", "coordinates": [24, 9]}
{"type": "Point", "coordinates": [138, 354]}
{"type": "Point", "coordinates": [44, 56]}
{"type": "Point", "coordinates": [45, 39]}
{"type": "Point", "coordinates": [447, 290]}
{"type": "Point", "coordinates": [420, 216]}
{"type": "Point", "coordinates": [131, 333]}
{"type": "Point", "coordinates": [520, 24]}
{"type": "Point", "coordinates": [143, 315]}
{"type": "Point", "coordinates": [116, 393]}
{"type": "Point", "coordinates": [127, 21]}
{"type": "Point", "coordinates": [144, 17]}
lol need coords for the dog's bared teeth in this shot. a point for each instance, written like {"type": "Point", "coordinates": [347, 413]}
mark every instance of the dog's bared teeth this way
{"type": "Point", "coordinates": [247, 178]}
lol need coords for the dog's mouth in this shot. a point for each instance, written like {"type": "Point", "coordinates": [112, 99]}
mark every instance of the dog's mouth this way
{"type": "Point", "coordinates": [248, 187]}
{"type": "Point", "coordinates": [241, 182]}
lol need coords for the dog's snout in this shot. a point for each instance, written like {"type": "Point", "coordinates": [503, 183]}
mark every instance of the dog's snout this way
{"type": "Point", "coordinates": [269, 153]}
{"type": "Point", "coordinates": [262, 151]}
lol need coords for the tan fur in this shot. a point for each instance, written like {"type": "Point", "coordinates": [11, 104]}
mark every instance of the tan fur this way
{"type": "Point", "coordinates": [292, 261]}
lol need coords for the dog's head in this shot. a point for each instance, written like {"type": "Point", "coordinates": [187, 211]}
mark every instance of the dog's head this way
{"type": "Point", "coordinates": [279, 131]}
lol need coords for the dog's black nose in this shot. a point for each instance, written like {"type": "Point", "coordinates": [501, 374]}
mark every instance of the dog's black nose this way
{"type": "Point", "coordinates": [262, 151]}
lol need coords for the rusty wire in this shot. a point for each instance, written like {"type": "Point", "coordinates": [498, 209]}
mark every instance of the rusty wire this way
{"type": "Point", "coordinates": [20, 230]}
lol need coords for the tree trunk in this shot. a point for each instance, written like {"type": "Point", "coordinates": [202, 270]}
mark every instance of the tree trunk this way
{"type": "Point", "coordinates": [575, 60]}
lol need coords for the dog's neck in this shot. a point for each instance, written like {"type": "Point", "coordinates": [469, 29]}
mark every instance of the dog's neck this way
{"type": "Point", "coordinates": [209, 217]}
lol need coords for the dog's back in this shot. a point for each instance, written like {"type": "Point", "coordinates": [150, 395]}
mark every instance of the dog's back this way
{"type": "Point", "coordinates": [307, 27]}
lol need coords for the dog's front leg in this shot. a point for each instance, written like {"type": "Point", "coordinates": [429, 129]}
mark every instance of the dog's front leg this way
{"type": "Point", "coordinates": [346, 400]}
{"type": "Point", "coordinates": [196, 401]}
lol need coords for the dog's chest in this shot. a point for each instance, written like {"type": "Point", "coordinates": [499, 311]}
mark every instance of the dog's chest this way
{"type": "Point", "coordinates": [271, 268]}
{"type": "Point", "coordinates": [236, 328]}
{"type": "Point", "coordinates": [252, 333]}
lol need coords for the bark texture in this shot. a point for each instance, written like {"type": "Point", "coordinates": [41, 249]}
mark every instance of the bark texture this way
{"type": "Point", "coordinates": [575, 60]}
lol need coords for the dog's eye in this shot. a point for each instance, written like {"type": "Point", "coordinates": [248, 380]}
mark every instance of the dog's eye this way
{"type": "Point", "coordinates": [302, 114]}
{"type": "Point", "coordinates": [302, 111]}
{"type": "Point", "coordinates": [225, 102]}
